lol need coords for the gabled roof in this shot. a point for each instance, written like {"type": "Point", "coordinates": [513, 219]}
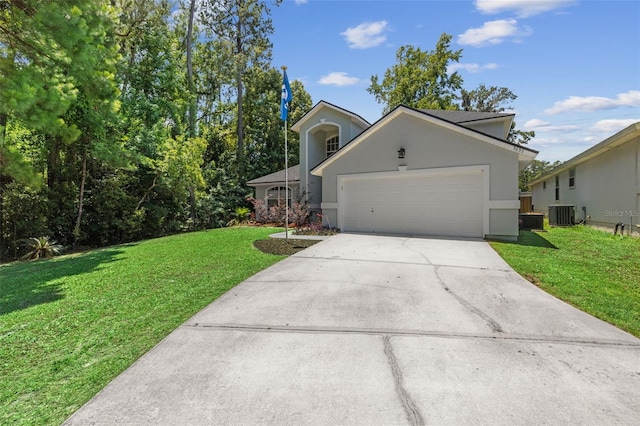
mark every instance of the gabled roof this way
{"type": "Point", "coordinates": [324, 104]}
{"type": "Point", "coordinates": [460, 117]}
{"type": "Point", "coordinates": [524, 153]}
{"type": "Point", "coordinates": [611, 142]}
{"type": "Point", "coordinates": [277, 177]}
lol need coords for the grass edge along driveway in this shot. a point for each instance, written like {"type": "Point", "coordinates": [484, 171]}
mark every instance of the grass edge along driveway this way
{"type": "Point", "coordinates": [70, 325]}
{"type": "Point", "coordinates": [590, 269]}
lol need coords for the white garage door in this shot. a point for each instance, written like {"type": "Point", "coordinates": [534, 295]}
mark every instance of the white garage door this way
{"type": "Point", "coordinates": [419, 204]}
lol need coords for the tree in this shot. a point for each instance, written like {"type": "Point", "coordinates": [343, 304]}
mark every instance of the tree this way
{"type": "Point", "coordinates": [495, 99]}
{"type": "Point", "coordinates": [47, 50]}
{"type": "Point", "coordinates": [520, 137]}
{"type": "Point", "coordinates": [487, 99]}
{"type": "Point", "coordinates": [420, 79]}
{"type": "Point", "coordinates": [244, 25]}
{"type": "Point", "coordinates": [265, 130]}
{"type": "Point", "coordinates": [535, 169]}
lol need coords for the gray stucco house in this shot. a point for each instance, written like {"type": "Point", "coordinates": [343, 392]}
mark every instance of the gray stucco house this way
{"type": "Point", "coordinates": [601, 184]}
{"type": "Point", "coordinates": [413, 172]}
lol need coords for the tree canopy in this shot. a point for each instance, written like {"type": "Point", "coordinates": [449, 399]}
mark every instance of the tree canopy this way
{"type": "Point", "coordinates": [420, 79]}
{"type": "Point", "coordinates": [423, 79]}
{"type": "Point", "coordinates": [122, 120]}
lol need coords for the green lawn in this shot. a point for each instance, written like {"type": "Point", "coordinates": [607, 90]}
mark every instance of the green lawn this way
{"type": "Point", "coordinates": [70, 325]}
{"type": "Point", "coordinates": [593, 270]}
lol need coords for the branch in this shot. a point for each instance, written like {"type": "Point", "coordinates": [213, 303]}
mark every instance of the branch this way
{"type": "Point", "coordinates": [148, 191]}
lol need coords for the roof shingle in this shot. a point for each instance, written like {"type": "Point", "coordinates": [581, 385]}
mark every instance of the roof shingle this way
{"type": "Point", "coordinates": [294, 176]}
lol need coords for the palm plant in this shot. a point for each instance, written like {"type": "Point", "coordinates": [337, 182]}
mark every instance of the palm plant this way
{"type": "Point", "coordinates": [41, 248]}
{"type": "Point", "coordinates": [242, 217]}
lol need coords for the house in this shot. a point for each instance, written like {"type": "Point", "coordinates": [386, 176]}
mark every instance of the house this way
{"type": "Point", "coordinates": [601, 185]}
{"type": "Point", "coordinates": [413, 172]}
{"type": "Point", "coordinates": [271, 188]}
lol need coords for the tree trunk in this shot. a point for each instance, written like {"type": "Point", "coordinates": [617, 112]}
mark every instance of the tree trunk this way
{"type": "Point", "coordinates": [192, 92]}
{"type": "Point", "coordinates": [83, 178]}
{"type": "Point", "coordinates": [3, 132]}
{"type": "Point", "coordinates": [193, 102]}
{"type": "Point", "coordinates": [192, 205]}
{"type": "Point", "coordinates": [53, 161]}
{"type": "Point", "coordinates": [3, 124]}
{"type": "Point", "coordinates": [240, 130]}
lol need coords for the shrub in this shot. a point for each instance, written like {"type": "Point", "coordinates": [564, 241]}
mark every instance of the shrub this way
{"type": "Point", "coordinates": [298, 213]}
{"type": "Point", "coordinates": [41, 247]}
{"type": "Point", "coordinates": [242, 217]}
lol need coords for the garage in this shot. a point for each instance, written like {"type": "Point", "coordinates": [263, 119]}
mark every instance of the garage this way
{"type": "Point", "coordinates": [422, 202]}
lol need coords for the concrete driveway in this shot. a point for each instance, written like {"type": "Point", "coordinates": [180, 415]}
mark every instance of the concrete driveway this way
{"type": "Point", "coordinates": [382, 330]}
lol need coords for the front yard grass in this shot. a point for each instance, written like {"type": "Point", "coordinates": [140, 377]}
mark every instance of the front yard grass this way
{"type": "Point", "coordinates": [70, 325]}
{"type": "Point", "coordinates": [592, 270]}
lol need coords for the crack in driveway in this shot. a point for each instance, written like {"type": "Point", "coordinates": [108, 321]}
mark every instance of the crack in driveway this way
{"type": "Point", "coordinates": [495, 326]}
{"type": "Point", "coordinates": [262, 328]}
{"type": "Point", "coordinates": [410, 408]}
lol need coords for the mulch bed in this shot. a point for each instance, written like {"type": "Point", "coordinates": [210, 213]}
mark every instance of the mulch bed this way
{"type": "Point", "coordinates": [283, 247]}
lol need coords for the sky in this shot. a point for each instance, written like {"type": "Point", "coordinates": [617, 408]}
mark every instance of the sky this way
{"type": "Point", "coordinates": [574, 65]}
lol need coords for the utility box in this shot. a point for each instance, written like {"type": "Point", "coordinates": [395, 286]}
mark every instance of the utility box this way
{"type": "Point", "coordinates": [531, 221]}
{"type": "Point", "coordinates": [562, 215]}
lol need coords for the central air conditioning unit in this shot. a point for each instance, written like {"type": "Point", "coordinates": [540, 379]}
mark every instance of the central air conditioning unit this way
{"type": "Point", "coordinates": [562, 215]}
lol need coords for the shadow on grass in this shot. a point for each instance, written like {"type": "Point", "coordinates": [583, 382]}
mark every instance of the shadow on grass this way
{"type": "Point", "coordinates": [26, 284]}
{"type": "Point", "coordinates": [533, 239]}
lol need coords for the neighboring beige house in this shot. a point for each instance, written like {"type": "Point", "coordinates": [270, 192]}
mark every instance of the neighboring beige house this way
{"type": "Point", "coordinates": [602, 184]}
{"type": "Point", "coordinates": [413, 172]}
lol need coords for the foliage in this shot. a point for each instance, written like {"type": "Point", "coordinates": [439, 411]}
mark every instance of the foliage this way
{"type": "Point", "coordinates": [495, 99]}
{"type": "Point", "coordinates": [315, 227]}
{"type": "Point", "coordinates": [420, 79]}
{"type": "Point", "coordinates": [41, 248]}
{"type": "Point", "coordinates": [243, 28]}
{"type": "Point", "coordinates": [242, 217]}
{"type": "Point", "coordinates": [23, 212]}
{"type": "Point", "coordinates": [520, 137]}
{"type": "Point", "coordinates": [72, 324]}
{"type": "Point", "coordinates": [535, 169]}
{"type": "Point", "coordinates": [50, 53]}
{"type": "Point", "coordinates": [115, 126]}
{"type": "Point", "coordinates": [591, 269]}
{"type": "Point", "coordinates": [276, 214]}
{"type": "Point", "coordinates": [487, 99]}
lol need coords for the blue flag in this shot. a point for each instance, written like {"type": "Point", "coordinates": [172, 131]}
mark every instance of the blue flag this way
{"type": "Point", "coordinates": [286, 98]}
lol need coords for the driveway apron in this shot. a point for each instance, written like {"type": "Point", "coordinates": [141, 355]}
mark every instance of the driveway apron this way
{"type": "Point", "coordinates": [362, 329]}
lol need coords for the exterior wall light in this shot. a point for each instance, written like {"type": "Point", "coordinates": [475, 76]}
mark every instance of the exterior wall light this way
{"type": "Point", "coordinates": [401, 153]}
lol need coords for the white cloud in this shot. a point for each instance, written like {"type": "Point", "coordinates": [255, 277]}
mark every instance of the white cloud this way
{"type": "Point", "coordinates": [522, 8]}
{"type": "Point", "coordinates": [472, 68]}
{"type": "Point", "coordinates": [338, 79]}
{"type": "Point", "coordinates": [613, 125]}
{"type": "Point", "coordinates": [595, 103]}
{"type": "Point", "coordinates": [542, 142]}
{"type": "Point", "coordinates": [301, 1]}
{"type": "Point", "coordinates": [494, 32]}
{"type": "Point", "coordinates": [545, 126]}
{"type": "Point", "coordinates": [366, 35]}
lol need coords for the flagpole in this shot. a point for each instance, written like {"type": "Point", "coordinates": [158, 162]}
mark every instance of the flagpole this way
{"type": "Point", "coordinates": [286, 177]}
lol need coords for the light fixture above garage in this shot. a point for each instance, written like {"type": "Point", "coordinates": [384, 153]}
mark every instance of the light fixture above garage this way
{"type": "Point", "coordinates": [401, 153]}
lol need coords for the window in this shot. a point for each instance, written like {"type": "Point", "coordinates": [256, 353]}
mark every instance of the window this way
{"type": "Point", "coordinates": [557, 188]}
{"type": "Point", "coordinates": [572, 177]}
{"type": "Point", "coordinates": [277, 195]}
{"type": "Point", "coordinates": [544, 184]}
{"type": "Point", "coordinates": [332, 145]}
